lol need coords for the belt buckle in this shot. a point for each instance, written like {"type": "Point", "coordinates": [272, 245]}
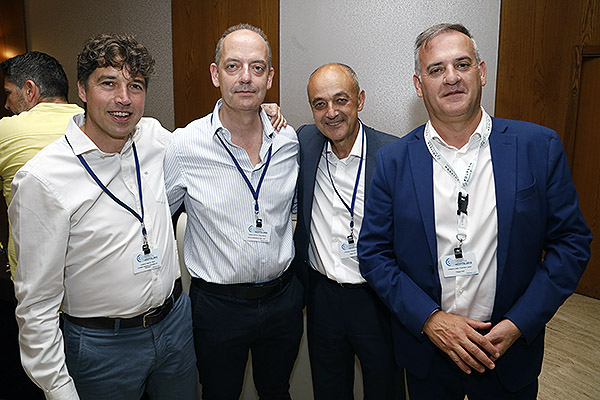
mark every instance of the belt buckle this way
{"type": "Point", "coordinates": [150, 313]}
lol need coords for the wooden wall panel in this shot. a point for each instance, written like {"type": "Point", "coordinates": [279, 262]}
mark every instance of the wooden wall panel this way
{"type": "Point", "coordinates": [537, 38]}
{"type": "Point", "coordinates": [13, 40]}
{"type": "Point", "coordinates": [197, 27]}
{"type": "Point", "coordinates": [543, 46]}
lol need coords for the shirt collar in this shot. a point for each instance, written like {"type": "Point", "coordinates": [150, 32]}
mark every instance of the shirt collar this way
{"type": "Point", "coordinates": [356, 147]}
{"type": "Point", "coordinates": [474, 138]}
{"type": "Point", "coordinates": [216, 126]}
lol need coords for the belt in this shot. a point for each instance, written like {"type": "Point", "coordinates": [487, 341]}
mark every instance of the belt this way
{"type": "Point", "coordinates": [342, 284]}
{"type": "Point", "coordinates": [150, 317]}
{"type": "Point", "coordinates": [248, 291]}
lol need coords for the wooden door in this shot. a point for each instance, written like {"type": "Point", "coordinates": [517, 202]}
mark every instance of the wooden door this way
{"type": "Point", "coordinates": [197, 27]}
{"type": "Point", "coordinates": [584, 164]}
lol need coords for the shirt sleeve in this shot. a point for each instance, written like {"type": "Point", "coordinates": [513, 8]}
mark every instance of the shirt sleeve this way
{"type": "Point", "coordinates": [40, 223]}
{"type": "Point", "coordinates": [173, 176]}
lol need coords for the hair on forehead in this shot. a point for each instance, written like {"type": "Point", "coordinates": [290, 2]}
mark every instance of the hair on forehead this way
{"type": "Point", "coordinates": [433, 31]}
{"type": "Point", "coordinates": [117, 51]}
{"type": "Point", "coordinates": [240, 27]}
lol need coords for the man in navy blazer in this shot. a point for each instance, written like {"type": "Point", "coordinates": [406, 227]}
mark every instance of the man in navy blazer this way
{"type": "Point", "coordinates": [472, 234]}
{"type": "Point", "coordinates": [345, 317]}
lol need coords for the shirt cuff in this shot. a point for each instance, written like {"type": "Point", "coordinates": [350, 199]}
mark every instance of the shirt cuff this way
{"type": "Point", "coordinates": [65, 392]}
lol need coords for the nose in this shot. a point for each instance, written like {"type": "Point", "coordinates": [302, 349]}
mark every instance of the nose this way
{"type": "Point", "coordinates": [245, 75]}
{"type": "Point", "coordinates": [451, 77]}
{"type": "Point", "coordinates": [122, 96]}
{"type": "Point", "coordinates": [331, 110]}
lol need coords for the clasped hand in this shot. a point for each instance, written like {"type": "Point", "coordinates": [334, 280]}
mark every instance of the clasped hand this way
{"type": "Point", "coordinates": [458, 337]}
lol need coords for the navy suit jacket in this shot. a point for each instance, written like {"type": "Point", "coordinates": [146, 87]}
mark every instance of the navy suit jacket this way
{"type": "Point", "coordinates": [312, 142]}
{"type": "Point", "coordinates": [543, 242]}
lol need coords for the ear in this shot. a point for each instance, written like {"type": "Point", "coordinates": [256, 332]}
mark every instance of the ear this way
{"type": "Point", "coordinates": [417, 83]}
{"type": "Point", "coordinates": [483, 73]}
{"type": "Point", "coordinates": [81, 91]}
{"type": "Point", "coordinates": [361, 100]}
{"type": "Point", "coordinates": [270, 78]}
{"type": "Point", "coordinates": [214, 74]}
{"type": "Point", "coordinates": [31, 92]}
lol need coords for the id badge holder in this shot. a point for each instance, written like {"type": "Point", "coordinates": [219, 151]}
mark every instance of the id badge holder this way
{"type": "Point", "coordinates": [146, 262]}
{"type": "Point", "coordinates": [255, 233]}
{"type": "Point", "coordinates": [464, 266]}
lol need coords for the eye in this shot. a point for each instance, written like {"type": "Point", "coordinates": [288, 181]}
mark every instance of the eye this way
{"type": "Point", "coordinates": [107, 83]}
{"type": "Point", "coordinates": [137, 86]}
{"type": "Point", "coordinates": [231, 67]}
{"type": "Point", "coordinates": [463, 65]}
{"type": "Point", "coordinates": [435, 71]}
{"type": "Point", "coordinates": [319, 105]}
{"type": "Point", "coordinates": [341, 100]}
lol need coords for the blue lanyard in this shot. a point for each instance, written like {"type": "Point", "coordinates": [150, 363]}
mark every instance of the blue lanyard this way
{"type": "Point", "coordinates": [256, 192]}
{"type": "Point", "coordinates": [351, 207]}
{"type": "Point", "coordinates": [145, 246]}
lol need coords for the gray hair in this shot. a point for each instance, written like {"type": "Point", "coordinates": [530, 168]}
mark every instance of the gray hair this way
{"type": "Point", "coordinates": [428, 34]}
{"type": "Point", "coordinates": [239, 27]}
{"type": "Point", "coordinates": [347, 68]}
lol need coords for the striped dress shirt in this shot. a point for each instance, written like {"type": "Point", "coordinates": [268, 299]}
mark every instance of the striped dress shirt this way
{"type": "Point", "coordinates": [200, 173]}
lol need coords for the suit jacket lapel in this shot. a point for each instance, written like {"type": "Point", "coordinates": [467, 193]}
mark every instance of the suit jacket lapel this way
{"type": "Point", "coordinates": [373, 145]}
{"type": "Point", "coordinates": [503, 148]}
{"type": "Point", "coordinates": [421, 166]}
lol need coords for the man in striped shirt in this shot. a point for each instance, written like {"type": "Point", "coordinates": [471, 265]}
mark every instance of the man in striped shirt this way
{"type": "Point", "coordinates": [236, 176]}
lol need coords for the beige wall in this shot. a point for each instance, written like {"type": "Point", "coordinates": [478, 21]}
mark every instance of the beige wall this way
{"type": "Point", "coordinates": [375, 37]}
{"type": "Point", "coordinates": [60, 28]}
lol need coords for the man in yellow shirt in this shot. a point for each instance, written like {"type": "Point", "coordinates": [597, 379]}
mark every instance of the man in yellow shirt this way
{"type": "Point", "coordinates": [36, 89]}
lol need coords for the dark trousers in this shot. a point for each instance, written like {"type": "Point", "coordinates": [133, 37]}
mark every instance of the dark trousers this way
{"type": "Point", "coordinates": [14, 383]}
{"type": "Point", "coordinates": [344, 322]}
{"type": "Point", "coordinates": [227, 327]}
{"type": "Point", "coordinates": [445, 381]}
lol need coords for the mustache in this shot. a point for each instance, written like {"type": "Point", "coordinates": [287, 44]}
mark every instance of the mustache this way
{"type": "Point", "coordinates": [245, 88]}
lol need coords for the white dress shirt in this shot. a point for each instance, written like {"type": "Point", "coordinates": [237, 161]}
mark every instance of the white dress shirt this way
{"type": "Point", "coordinates": [330, 219]}
{"type": "Point", "coordinates": [468, 296]}
{"type": "Point", "coordinates": [220, 206]}
{"type": "Point", "coordinates": [75, 245]}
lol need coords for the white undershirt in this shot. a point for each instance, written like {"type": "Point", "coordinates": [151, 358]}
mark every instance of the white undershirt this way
{"type": "Point", "coordinates": [469, 296]}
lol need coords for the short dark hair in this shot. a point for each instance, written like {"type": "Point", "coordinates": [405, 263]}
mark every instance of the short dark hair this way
{"type": "Point", "coordinates": [239, 27]}
{"type": "Point", "coordinates": [41, 68]}
{"type": "Point", "coordinates": [117, 51]}
{"type": "Point", "coordinates": [435, 30]}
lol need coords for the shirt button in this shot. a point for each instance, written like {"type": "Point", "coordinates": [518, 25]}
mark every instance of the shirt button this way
{"type": "Point", "coordinates": [461, 291]}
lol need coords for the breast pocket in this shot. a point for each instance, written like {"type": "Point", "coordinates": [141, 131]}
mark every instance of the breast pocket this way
{"type": "Point", "coordinates": [153, 178]}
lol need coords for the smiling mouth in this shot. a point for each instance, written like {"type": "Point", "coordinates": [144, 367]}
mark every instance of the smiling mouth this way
{"type": "Point", "coordinates": [120, 114]}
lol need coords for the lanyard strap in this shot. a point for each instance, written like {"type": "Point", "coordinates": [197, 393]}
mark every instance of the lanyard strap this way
{"type": "Point", "coordinates": [255, 193]}
{"type": "Point", "coordinates": [351, 207]}
{"type": "Point", "coordinates": [463, 199]}
{"type": "Point", "coordinates": [145, 247]}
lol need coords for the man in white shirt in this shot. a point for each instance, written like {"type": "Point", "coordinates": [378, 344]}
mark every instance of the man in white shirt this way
{"type": "Point", "coordinates": [236, 176]}
{"type": "Point", "coordinates": [345, 317]}
{"type": "Point", "coordinates": [94, 240]}
{"type": "Point", "coordinates": [472, 234]}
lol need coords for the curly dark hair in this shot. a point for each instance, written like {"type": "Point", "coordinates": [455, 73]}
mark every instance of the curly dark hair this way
{"type": "Point", "coordinates": [117, 51]}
